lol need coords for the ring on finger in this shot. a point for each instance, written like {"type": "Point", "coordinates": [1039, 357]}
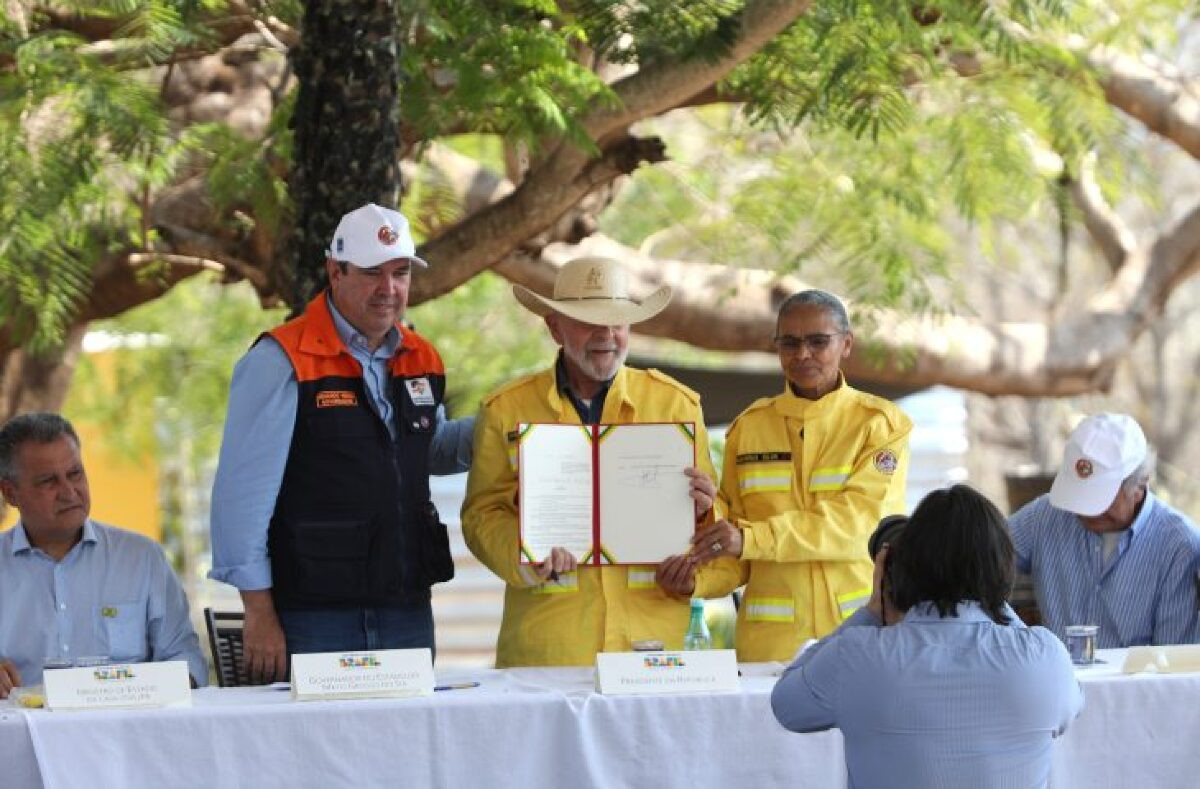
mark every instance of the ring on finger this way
{"type": "Point", "coordinates": [716, 547]}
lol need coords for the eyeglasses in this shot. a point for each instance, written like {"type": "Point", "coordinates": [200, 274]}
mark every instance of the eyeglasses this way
{"type": "Point", "coordinates": [815, 343]}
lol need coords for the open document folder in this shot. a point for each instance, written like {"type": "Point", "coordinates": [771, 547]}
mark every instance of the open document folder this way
{"type": "Point", "coordinates": [610, 494]}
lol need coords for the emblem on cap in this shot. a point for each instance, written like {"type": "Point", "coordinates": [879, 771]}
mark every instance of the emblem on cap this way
{"type": "Point", "coordinates": [386, 235]}
{"type": "Point", "coordinates": [595, 278]}
{"type": "Point", "coordinates": [885, 461]}
{"type": "Point", "coordinates": [1083, 468]}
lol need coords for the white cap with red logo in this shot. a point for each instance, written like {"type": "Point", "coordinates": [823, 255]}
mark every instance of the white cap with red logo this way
{"type": "Point", "coordinates": [370, 236]}
{"type": "Point", "coordinates": [1101, 452]}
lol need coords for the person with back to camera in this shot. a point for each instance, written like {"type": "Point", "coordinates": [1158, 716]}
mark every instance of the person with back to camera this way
{"type": "Point", "coordinates": [936, 682]}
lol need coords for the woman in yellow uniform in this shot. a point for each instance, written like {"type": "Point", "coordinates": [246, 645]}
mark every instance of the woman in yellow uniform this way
{"type": "Point", "coordinates": [807, 476]}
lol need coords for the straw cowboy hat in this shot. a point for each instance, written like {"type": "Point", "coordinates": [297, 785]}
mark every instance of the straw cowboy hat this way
{"type": "Point", "coordinates": [595, 290]}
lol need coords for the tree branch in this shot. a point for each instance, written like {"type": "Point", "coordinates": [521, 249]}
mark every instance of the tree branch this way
{"type": "Point", "coordinates": [1075, 356]}
{"type": "Point", "coordinates": [1164, 101]}
{"type": "Point", "coordinates": [1106, 228]}
{"type": "Point", "coordinates": [656, 88]}
{"type": "Point", "coordinates": [548, 192]}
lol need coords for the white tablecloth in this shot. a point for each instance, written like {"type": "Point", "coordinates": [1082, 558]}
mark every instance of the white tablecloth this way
{"type": "Point", "coordinates": [546, 728]}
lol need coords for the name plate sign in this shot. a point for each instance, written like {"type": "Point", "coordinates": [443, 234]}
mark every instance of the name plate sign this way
{"type": "Point", "coordinates": [632, 673]}
{"type": "Point", "coordinates": [384, 673]}
{"type": "Point", "coordinates": [118, 685]}
{"type": "Point", "coordinates": [1173, 659]}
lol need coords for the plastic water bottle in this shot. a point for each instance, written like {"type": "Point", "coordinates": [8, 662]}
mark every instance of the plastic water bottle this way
{"type": "Point", "coordinates": [697, 636]}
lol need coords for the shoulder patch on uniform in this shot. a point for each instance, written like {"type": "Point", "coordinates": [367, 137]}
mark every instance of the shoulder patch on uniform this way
{"type": "Point", "coordinates": [659, 375]}
{"type": "Point", "coordinates": [885, 461]}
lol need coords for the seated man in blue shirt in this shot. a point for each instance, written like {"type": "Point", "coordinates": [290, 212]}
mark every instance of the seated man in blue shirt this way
{"type": "Point", "coordinates": [953, 690]}
{"type": "Point", "coordinates": [71, 587]}
{"type": "Point", "coordinates": [1102, 550]}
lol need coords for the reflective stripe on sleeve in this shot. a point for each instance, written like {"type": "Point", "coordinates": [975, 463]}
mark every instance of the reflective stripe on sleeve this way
{"type": "Point", "coordinates": [641, 579]}
{"type": "Point", "coordinates": [567, 582]}
{"type": "Point", "coordinates": [852, 601]}
{"type": "Point", "coordinates": [770, 609]}
{"type": "Point", "coordinates": [528, 575]}
{"type": "Point", "coordinates": [766, 477]}
{"type": "Point", "coordinates": [829, 478]}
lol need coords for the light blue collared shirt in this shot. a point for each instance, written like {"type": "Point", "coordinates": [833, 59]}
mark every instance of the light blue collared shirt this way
{"type": "Point", "coordinates": [113, 595]}
{"type": "Point", "coordinates": [263, 398]}
{"type": "Point", "coordinates": [935, 702]}
{"type": "Point", "coordinates": [1144, 593]}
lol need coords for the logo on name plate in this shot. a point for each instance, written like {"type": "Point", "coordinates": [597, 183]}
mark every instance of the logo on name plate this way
{"type": "Point", "coordinates": [113, 673]}
{"type": "Point", "coordinates": [334, 398]}
{"type": "Point", "coordinates": [358, 661]}
{"type": "Point", "coordinates": [663, 661]}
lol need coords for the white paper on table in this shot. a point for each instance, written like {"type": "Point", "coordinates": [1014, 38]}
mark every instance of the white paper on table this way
{"type": "Point", "coordinates": [646, 508]}
{"type": "Point", "coordinates": [643, 512]}
{"type": "Point", "coordinates": [555, 482]}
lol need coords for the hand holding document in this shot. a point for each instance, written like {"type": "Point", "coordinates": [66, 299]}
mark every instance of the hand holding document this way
{"type": "Point", "coordinates": [608, 494]}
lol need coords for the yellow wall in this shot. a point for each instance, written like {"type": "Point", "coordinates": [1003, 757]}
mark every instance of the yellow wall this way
{"type": "Point", "coordinates": [124, 491]}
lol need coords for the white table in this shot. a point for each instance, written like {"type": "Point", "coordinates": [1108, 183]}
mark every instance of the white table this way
{"type": "Point", "coordinates": [546, 728]}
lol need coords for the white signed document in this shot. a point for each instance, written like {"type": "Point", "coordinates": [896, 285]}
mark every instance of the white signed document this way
{"type": "Point", "coordinates": [611, 494]}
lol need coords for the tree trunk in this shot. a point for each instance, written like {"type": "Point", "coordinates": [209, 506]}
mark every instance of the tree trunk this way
{"type": "Point", "coordinates": [347, 128]}
{"type": "Point", "coordinates": [31, 382]}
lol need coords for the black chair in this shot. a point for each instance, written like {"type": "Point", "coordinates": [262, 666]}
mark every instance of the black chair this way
{"type": "Point", "coordinates": [225, 639]}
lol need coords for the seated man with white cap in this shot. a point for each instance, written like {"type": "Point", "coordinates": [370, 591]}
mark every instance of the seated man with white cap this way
{"type": "Point", "coordinates": [556, 613]}
{"type": "Point", "coordinates": [1102, 550]}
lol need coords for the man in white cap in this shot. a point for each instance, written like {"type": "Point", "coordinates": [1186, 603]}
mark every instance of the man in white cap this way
{"type": "Point", "coordinates": [321, 513]}
{"type": "Point", "coordinates": [1102, 550]}
{"type": "Point", "coordinates": [558, 613]}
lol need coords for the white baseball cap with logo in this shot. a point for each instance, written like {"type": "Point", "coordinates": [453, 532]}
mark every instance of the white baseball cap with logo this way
{"type": "Point", "coordinates": [370, 236]}
{"type": "Point", "coordinates": [1101, 452]}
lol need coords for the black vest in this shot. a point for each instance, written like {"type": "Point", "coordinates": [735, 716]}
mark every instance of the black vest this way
{"type": "Point", "coordinates": [353, 523]}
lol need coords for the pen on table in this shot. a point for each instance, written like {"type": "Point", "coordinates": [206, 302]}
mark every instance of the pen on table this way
{"type": "Point", "coordinates": [457, 686]}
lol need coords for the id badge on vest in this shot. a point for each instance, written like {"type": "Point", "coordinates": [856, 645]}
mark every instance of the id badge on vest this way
{"type": "Point", "coordinates": [420, 391]}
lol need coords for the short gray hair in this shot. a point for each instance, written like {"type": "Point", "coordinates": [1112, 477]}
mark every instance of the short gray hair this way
{"type": "Point", "coordinates": [1142, 474]}
{"type": "Point", "coordinates": [816, 298]}
{"type": "Point", "coordinates": [42, 427]}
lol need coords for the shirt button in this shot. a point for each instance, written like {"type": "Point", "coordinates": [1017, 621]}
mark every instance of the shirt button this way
{"type": "Point", "coordinates": [62, 606]}
{"type": "Point", "coordinates": [66, 648]}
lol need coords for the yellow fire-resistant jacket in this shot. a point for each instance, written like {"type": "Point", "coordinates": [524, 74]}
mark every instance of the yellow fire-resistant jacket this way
{"type": "Point", "coordinates": [594, 609]}
{"type": "Point", "coordinates": [807, 481]}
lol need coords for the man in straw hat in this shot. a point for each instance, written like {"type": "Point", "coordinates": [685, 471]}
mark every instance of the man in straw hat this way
{"type": "Point", "coordinates": [1103, 550]}
{"type": "Point", "coordinates": [556, 613]}
{"type": "Point", "coordinates": [321, 513]}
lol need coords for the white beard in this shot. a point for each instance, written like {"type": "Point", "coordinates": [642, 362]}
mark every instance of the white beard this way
{"type": "Point", "coordinates": [590, 368]}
